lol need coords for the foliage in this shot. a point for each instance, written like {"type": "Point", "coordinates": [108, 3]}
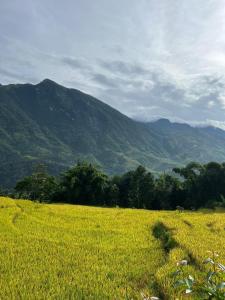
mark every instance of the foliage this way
{"type": "Point", "coordinates": [39, 186]}
{"type": "Point", "coordinates": [211, 286]}
{"type": "Point", "coordinates": [48, 123]}
{"type": "Point", "coordinates": [196, 187]}
{"type": "Point", "coordinates": [2, 192]}
{"type": "Point", "coordinates": [204, 185]}
{"type": "Point", "coordinates": [136, 188]}
{"type": "Point", "coordinates": [168, 192]}
{"type": "Point", "coordinates": [83, 183]}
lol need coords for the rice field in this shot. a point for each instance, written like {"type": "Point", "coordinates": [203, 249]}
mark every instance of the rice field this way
{"type": "Point", "coordinates": [76, 252]}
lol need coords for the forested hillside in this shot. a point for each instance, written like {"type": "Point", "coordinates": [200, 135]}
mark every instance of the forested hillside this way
{"type": "Point", "coordinates": [51, 124]}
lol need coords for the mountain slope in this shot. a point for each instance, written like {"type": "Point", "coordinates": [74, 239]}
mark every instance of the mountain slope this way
{"type": "Point", "coordinates": [52, 124]}
{"type": "Point", "coordinates": [56, 125]}
{"type": "Point", "coordinates": [185, 143]}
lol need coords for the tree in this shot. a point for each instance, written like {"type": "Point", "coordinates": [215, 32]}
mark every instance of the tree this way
{"type": "Point", "coordinates": [123, 183]}
{"type": "Point", "coordinates": [191, 175]}
{"type": "Point", "coordinates": [2, 192]}
{"type": "Point", "coordinates": [168, 192]}
{"type": "Point", "coordinates": [136, 188]}
{"type": "Point", "coordinates": [39, 186]}
{"type": "Point", "coordinates": [111, 194]}
{"type": "Point", "coordinates": [204, 185]}
{"type": "Point", "coordinates": [84, 184]}
{"type": "Point", "coordinates": [212, 184]}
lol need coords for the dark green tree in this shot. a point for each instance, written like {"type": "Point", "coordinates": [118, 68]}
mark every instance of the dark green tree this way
{"type": "Point", "coordinates": [2, 192]}
{"type": "Point", "coordinates": [111, 194]}
{"type": "Point", "coordinates": [212, 184]}
{"type": "Point", "coordinates": [136, 188]}
{"type": "Point", "coordinates": [168, 192]}
{"type": "Point", "coordinates": [191, 175]}
{"type": "Point", "coordinates": [84, 184]}
{"type": "Point", "coordinates": [123, 183]}
{"type": "Point", "coordinates": [39, 186]}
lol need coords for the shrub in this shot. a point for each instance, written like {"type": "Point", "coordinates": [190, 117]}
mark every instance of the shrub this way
{"type": "Point", "coordinates": [211, 286]}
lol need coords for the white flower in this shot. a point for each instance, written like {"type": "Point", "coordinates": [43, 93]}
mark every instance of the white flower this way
{"type": "Point", "coordinates": [183, 262]}
{"type": "Point", "coordinates": [144, 297]}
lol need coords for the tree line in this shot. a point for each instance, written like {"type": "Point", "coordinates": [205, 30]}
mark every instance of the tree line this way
{"type": "Point", "coordinates": [193, 186]}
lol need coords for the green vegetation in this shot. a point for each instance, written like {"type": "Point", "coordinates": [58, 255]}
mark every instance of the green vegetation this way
{"type": "Point", "coordinates": [47, 123]}
{"type": "Point", "coordinates": [59, 251]}
{"type": "Point", "coordinates": [161, 232]}
{"type": "Point", "coordinates": [39, 186]}
{"type": "Point", "coordinates": [196, 187]}
{"type": "Point", "coordinates": [210, 286]}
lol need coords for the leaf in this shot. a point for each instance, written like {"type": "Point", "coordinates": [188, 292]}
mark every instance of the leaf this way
{"type": "Point", "coordinates": [222, 267]}
{"type": "Point", "coordinates": [188, 283]}
{"type": "Point", "coordinates": [188, 291]}
{"type": "Point", "coordinates": [179, 283]}
{"type": "Point", "coordinates": [221, 286]}
{"type": "Point", "coordinates": [208, 260]}
{"type": "Point", "coordinates": [209, 275]}
{"type": "Point", "coordinates": [174, 274]}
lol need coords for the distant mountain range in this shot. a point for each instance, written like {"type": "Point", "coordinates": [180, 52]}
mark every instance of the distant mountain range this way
{"type": "Point", "coordinates": [57, 126]}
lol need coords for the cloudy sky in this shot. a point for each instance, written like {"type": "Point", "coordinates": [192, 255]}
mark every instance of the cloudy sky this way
{"type": "Point", "coordinates": [147, 58]}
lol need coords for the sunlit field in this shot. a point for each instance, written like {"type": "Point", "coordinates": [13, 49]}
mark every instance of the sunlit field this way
{"type": "Point", "coordinates": [77, 252]}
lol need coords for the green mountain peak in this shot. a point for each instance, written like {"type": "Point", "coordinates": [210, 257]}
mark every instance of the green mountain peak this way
{"type": "Point", "coordinates": [51, 124]}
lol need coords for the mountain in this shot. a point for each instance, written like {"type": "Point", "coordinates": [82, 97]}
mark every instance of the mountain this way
{"type": "Point", "coordinates": [185, 143]}
{"type": "Point", "coordinates": [57, 126]}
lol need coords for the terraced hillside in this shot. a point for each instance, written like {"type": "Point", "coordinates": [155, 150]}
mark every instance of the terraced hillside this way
{"type": "Point", "coordinates": [78, 252]}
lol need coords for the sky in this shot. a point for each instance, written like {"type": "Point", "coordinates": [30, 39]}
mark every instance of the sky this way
{"type": "Point", "coordinates": [149, 59]}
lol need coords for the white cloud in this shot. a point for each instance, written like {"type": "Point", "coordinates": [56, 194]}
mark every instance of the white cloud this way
{"type": "Point", "coordinates": [210, 104]}
{"type": "Point", "coordinates": [147, 58]}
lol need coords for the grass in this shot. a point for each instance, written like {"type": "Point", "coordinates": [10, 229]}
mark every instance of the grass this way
{"type": "Point", "coordinates": [160, 231]}
{"type": "Point", "coordinates": [78, 252]}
